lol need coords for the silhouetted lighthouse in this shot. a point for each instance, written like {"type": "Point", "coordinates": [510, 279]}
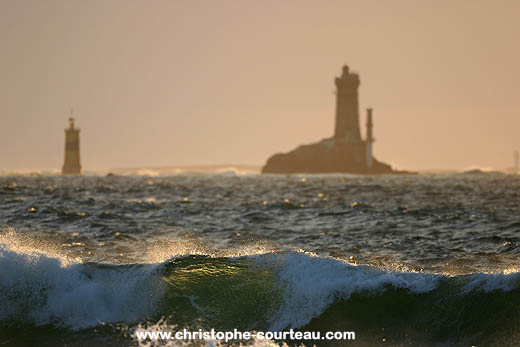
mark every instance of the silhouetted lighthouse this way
{"type": "Point", "coordinates": [347, 109]}
{"type": "Point", "coordinates": [71, 166]}
{"type": "Point", "coordinates": [347, 117]}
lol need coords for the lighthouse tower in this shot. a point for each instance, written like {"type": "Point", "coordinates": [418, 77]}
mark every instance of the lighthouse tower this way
{"type": "Point", "coordinates": [347, 109]}
{"type": "Point", "coordinates": [71, 166]}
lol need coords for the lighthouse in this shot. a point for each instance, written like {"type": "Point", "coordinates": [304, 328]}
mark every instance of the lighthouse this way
{"type": "Point", "coordinates": [347, 117]}
{"type": "Point", "coordinates": [72, 165]}
{"type": "Point", "coordinates": [347, 108]}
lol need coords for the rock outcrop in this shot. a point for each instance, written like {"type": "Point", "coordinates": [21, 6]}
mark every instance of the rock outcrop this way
{"type": "Point", "coordinates": [327, 156]}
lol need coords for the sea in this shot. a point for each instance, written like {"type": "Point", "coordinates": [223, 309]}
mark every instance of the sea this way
{"type": "Point", "coordinates": [401, 260]}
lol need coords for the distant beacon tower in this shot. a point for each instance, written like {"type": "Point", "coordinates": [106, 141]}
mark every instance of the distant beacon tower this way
{"type": "Point", "coordinates": [370, 139]}
{"type": "Point", "coordinates": [347, 109]}
{"type": "Point", "coordinates": [71, 166]}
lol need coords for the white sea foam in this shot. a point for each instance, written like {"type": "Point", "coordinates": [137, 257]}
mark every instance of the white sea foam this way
{"type": "Point", "coordinates": [505, 281]}
{"type": "Point", "coordinates": [38, 289]}
{"type": "Point", "coordinates": [311, 284]}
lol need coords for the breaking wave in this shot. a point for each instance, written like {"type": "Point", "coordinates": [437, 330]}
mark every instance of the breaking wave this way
{"type": "Point", "coordinates": [273, 291]}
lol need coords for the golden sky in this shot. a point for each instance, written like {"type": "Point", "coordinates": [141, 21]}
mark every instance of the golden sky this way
{"type": "Point", "coordinates": [166, 83]}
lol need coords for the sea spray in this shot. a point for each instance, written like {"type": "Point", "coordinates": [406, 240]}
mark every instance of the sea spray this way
{"type": "Point", "coordinates": [41, 290]}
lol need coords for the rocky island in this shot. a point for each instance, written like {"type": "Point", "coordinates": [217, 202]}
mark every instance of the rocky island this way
{"type": "Point", "coordinates": [346, 151]}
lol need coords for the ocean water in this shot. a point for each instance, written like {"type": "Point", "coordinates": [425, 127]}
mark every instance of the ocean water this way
{"type": "Point", "coordinates": [402, 260]}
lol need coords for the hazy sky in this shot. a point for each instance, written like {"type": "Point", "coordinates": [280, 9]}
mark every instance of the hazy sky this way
{"type": "Point", "coordinates": [166, 83]}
